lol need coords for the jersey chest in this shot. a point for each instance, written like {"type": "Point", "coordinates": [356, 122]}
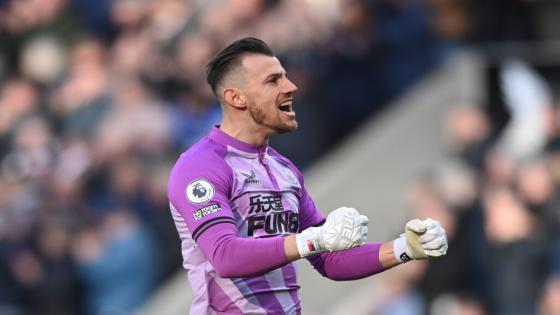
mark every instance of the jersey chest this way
{"type": "Point", "coordinates": [265, 197]}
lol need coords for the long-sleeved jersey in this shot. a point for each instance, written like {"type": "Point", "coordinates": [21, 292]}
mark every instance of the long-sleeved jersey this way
{"type": "Point", "coordinates": [232, 204]}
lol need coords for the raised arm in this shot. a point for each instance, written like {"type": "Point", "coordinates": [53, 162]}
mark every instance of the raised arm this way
{"type": "Point", "coordinates": [199, 196]}
{"type": "Point", "coordinates": [421, 240]}
{"type": "Point", "coordinates": [233, 256]}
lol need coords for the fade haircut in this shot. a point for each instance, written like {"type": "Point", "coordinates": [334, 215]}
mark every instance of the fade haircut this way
{"type": "Point", "coordinates": [228, 58]}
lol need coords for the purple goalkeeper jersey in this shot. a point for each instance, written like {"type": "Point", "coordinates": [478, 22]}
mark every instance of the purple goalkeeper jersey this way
{"type": "Point", "coordinates": [222, 181]}
{"type": "Point", "coordinates": [232, 204]}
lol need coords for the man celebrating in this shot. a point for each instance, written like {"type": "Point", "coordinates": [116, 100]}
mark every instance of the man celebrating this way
{"type": "Point", "coordinates": [242, 210]}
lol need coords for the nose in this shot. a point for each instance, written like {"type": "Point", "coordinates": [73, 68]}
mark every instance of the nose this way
{"type": "Point", "coordinates": [290, 87]}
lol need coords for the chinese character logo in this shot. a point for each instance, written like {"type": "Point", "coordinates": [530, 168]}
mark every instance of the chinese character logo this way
{"type": "Point", "coordinates": [264, 203]}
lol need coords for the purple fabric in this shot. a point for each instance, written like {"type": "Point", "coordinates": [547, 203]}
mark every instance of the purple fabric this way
{"type": "Point", "coordinates": [260, 286]}
{"type": "Point", "coordinates": [290, 273]}
{"type": "Point", "coordinates": [352, 264]}
{"type": "Point", "coordinates": [219, 297]}
{"type": "Point", "coordinates": [233, 256]}
{"type": "Point", "coordinates": [216, 234]}
{"type": "Point", "coordinates": [309, 215]}
{"type": "Point", "coordinates": [232, 227]}
{"type": "Point", "coordinates": [233, 203]}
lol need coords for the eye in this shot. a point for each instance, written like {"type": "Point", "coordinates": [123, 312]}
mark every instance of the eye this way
{"type": "Point", "coordinates": [273, 79]}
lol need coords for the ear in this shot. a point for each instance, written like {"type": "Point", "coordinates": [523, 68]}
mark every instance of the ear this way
{"type": "Point", "coordinates": [235, 98]}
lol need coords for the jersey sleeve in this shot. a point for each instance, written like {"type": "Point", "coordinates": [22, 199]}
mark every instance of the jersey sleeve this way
{"type": "Point", "coordinates": [309, 215]}
{"type": "Point", "coordinates": [350, 264]}
{"type": "Point", "coordinates": [200, 191]}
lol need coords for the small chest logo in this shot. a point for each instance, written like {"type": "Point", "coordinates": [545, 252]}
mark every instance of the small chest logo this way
{"type": "Point", "coordinates": [200, 191]}
{"type": "Point", "coordinates": [250, 178]}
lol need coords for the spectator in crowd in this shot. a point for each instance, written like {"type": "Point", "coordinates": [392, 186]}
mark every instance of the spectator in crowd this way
{"type": "Point", "coordinates": [116, 264]}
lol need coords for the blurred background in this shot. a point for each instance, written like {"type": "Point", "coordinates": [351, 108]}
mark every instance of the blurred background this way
{"type": "Point", "coordinates": [440, 108]}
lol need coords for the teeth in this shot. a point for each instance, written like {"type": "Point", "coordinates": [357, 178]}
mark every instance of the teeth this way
{"type": "Point", "coordinates": [286, 103]}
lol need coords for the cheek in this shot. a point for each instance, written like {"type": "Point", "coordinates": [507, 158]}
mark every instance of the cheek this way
{"type": "Point", "coordinates": [263, 101]}
{"type": "Point", "coordinates": [266, 96]}
{"type": "Point", "coordinates": [257, 114]}
{"type": "Point", "coordinates": [267, 104]}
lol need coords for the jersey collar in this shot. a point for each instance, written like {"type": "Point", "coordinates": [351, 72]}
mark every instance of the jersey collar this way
{"type": "Point", "coordinates": [219, 136]}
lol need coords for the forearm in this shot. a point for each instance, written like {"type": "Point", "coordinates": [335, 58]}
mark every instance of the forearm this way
{"type": "Point", "coordinates": [387, 255]}
{"type": "Point", "coordinates": [290, 248]}
{"type": "Point", "coordinates": [234, 256]}
{"type": "Point", "coordinates": [351, 264]}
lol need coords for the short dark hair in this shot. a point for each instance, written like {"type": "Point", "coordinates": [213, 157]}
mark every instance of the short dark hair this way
{"type": "Point", "coordinates": [227, 58]}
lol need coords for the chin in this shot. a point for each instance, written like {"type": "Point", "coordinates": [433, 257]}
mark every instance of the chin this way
{"type": "Point", "coordinates": [287, 128]}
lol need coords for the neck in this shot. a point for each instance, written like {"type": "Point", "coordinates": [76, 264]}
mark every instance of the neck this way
{"type": "Point", "coordinates": [244, 133]}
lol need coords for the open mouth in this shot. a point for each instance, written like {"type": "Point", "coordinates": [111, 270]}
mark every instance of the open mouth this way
{"type": "Point", "coordinates": [286, 106]}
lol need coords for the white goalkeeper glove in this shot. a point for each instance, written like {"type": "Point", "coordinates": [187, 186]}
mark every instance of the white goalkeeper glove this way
{"type": "Point", "coordinates": [344, 228]}
{"type": "Point", "coordinates": [422, 239]}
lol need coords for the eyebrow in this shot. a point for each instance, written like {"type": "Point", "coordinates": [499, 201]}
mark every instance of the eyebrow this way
{"type": "Point", "coordinates": [273, 77]}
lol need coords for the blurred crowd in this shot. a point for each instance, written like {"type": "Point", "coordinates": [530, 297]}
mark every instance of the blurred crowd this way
{"type": "Point", "coordinates": [498, 197]}
{"type": "Point", "coordinates": [99, 97]}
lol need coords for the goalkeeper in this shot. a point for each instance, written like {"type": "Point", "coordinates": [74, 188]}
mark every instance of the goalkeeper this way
{"type": "Point", "coordinates": [242, 210]}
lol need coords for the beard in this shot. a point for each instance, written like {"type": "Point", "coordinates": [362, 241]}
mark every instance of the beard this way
{"type": "Point", "coordinates": [271, 121]}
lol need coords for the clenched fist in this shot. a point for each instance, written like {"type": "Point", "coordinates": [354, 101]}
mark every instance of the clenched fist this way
{"type": "Point", "coordinates": [344, 228]}
{"type": "Point", "coordinates": [422, 239]}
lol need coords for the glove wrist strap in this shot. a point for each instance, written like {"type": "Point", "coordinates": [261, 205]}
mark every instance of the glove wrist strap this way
{"type": "Point", "coordinates": [400, 250]}
{"type": "Point", "coordinates": [308, 242]}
